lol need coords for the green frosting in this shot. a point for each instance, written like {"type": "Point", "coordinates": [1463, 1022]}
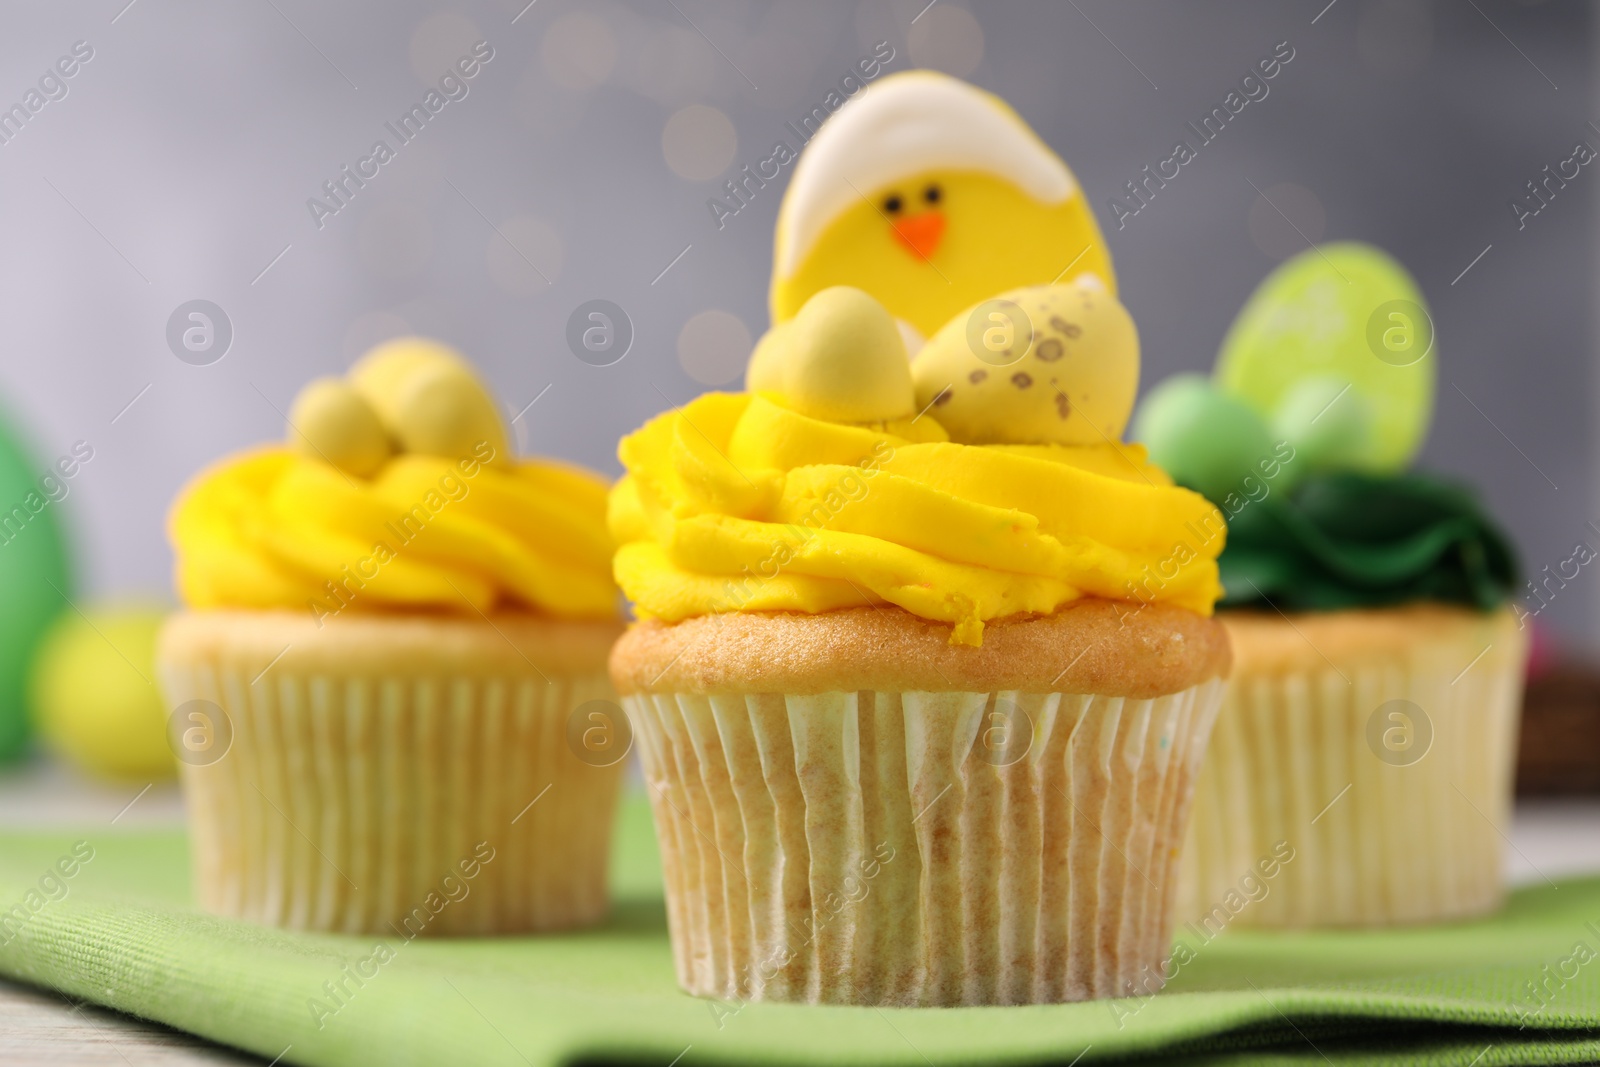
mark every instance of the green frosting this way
{"type": "Point", "coordinates": [1347, 539]}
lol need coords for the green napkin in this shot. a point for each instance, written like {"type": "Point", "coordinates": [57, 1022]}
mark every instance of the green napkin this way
{"type": "Point", "coordinates": [1523, 987]}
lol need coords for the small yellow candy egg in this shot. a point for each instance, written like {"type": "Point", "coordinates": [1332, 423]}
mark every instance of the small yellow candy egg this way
{"type": "Point", "coordinates": [445, 411]}
{"type": "Point", "coordinates": [765, 371]}
{"type": "Point", "coordinates": [384, 372]}
{"type": "Point", "coordinates": [1052, 364]}
{"type": "Point", "coordinates": [430, 400]}
{"type": "Point", "coordinates": [332, 422]}
{"type": "Point", "coordinates": [841, 359]}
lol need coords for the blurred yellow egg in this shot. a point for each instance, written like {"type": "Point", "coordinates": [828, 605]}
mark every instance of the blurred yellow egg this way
{"type": "Point", "coordinates": [429, 400]}
{"type": "Point", "coordinates": [331, 421]}
{"type": "Point", "coordinates": [381, 374]}
{"type": "Point", "coordinates": [446, 412]}
{"type": "Point", "coordinates": [94, 697]}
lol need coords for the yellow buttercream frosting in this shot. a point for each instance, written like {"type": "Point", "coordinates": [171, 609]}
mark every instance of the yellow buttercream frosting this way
{"type": "Point", "coordinates": [737, 502]}
{"type": "Point", "coordinates": [396, 491]}
{"type": "Point", "coordinates": [273, 529]}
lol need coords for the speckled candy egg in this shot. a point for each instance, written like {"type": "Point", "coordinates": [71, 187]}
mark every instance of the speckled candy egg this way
{"type": "Point", "coordinates": [1052, 364]}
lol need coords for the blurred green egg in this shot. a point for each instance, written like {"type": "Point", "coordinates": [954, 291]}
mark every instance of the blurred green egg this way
{"type": "Point", "coordinates": [35, 574]}
{"type": "Point", "coordinates": [1204, 438]}
{"type": "Point", "coordinates": [95, 697]}
{"type": "Point", "coordinates": [1328, 423]}
{"type": "Point", "coordinates": [1349, 312]}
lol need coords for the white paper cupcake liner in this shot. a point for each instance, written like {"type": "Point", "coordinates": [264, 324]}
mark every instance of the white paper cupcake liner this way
{"type": "Point", "coordinates": [357, 803]}
{"type": "Point", "coordinates": [887, 848]}
{"type": "Point", "coordinates": [1381, 830]}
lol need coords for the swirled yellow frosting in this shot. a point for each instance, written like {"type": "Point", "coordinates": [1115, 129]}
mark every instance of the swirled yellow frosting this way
{"type": "Point", "coordinates": [737, 502]}
{"type": "Point", "coordinates": [273, 529]}
{"type": "Point", "coordinates": [397, 492]}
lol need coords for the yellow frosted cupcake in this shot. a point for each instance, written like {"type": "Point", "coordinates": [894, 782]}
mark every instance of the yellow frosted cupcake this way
{"type": "Point", "coordinates": [906, 740]}
{"type": "Point", "coordinates": [393, 627]}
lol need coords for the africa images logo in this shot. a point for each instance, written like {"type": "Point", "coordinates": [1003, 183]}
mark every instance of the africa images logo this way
{"type": "Point", "coordinates": [52, 86]}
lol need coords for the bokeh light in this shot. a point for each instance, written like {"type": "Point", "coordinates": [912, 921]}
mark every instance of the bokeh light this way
{"type": "Point", "coordinates": [699, 142]}
{"type": "Point", "coordinates": [713, 347]}
{"type": "Point", "coordinates": [578, 50]}
{"type": "Point", "coordinates": [439, 41]}
{"type": "Point", "coordinates": [946, 38]}
{"type": "Point", "coordinates": [525, 256]}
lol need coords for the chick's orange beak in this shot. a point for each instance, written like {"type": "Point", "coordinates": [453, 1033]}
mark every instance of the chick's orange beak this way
{"type": "Point", "coordinates": [921, 233]}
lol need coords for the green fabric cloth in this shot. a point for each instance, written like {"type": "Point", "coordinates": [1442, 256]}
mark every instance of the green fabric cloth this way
{"type": "Point", "coordinates": [1345, 539]}
{"type": "Point", "coordinates": [126, 935]}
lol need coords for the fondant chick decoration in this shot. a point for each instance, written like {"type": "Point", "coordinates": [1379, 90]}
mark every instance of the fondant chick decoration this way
{"type": "Point", "coordinates": [410, 395]}
{"type": "Point", "coordinates": [931, 195]}
{"type": "Point", "coordinates": [1050, 364]}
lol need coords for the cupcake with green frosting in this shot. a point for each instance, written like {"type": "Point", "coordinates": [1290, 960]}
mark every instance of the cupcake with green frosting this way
{"type": "Point", "coordinates": [1369, 729]}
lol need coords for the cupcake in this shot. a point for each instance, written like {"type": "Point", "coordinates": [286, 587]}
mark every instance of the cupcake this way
{"type": "Point", "coordinates": [1365, 751]}
{"type": "Point", "coordinates": [389, 681]}
{"type": "Point", "coordinates": [907, 739]}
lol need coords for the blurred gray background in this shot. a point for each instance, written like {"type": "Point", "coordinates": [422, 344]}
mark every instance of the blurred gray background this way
{"type": "Point", "coordinates": [179, 162]}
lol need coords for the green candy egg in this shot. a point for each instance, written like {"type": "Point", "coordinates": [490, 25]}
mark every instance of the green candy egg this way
{"type": "Point", "coordinates": [1328, 423]}
{"type": "Point", "coordinates": [1206, 439]}
{"type": "Point", "coordinates": [1347, 311]}
{"type": "Point", "coordinates": [35, 574]}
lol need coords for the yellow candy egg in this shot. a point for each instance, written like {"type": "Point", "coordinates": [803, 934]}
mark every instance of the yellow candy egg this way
{"type": "Point", "coordinates": [1053, 364]}
{"type": "Point", "coordinates": [94, 694]}
{"type": "Point", "coordinates": [381, 374]}
{"type": "Point", "coordinates": [841, 359]}
{"type": "Point", "coordinates": [445, 411]}
{"type": "Point", "coordinates": [429, 399]}
{"type": "Point", "coordinates": [765, 371]}
{"type": "Point", "coordinates": [332, 422]}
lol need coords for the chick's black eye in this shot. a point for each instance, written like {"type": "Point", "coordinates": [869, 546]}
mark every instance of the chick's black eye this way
{"type": "Point", "coordinates": [893, 204]}
{"type": "Point", "coordinates": [932, 194]}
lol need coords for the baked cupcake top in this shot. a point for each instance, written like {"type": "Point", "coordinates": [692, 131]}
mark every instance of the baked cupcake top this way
{"type": "Point", "coordinates": [396, 490]}
{"type": "Point", "coordinates": [1320, 400]}
{"type": "Point", "coordinates": [984, 481]}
